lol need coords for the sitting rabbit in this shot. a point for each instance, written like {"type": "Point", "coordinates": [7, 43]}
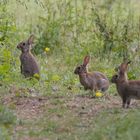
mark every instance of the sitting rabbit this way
{"type": "Point", "coordinates": [127, 89]}
{"type": "Point", "coordinates": [91, 80]}
{"type": "Point", "coordinates": [29, 66]}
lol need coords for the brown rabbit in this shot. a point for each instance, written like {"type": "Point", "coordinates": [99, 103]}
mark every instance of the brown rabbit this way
{"type": "Point", "coordinates": [93, 81]}
{"type": "Point", "coordinates": [127, 89]}
{"type": "Point", "coordinates": [29, 66]}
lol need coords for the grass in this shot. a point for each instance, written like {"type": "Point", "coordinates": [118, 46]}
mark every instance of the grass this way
{"type": "Point", "coordinates": [116, 124]}
{"type": "Point", "coordinates": [61, 109]}
{"type": "Point", "coordinates": [56, 107]}
{"type": "Point", "coordinates": [75, 117]}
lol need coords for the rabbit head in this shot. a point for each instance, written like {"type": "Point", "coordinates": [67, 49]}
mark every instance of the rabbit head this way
{"type": "Point", "coordinates": [25, 46]}
{"type": "Point", "coordinates": [114, 78]}
{"type": "Point", "coordinates": [82, 68]}
{"type": "Point", "coordinates": [123, 67]}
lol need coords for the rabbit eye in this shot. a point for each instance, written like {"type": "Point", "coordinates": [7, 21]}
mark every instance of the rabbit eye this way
{"type": "Point", "coordinates": [79, 68]}
{"type": "Point", "coordinates": [23, 44]}
{"type": "Point", "coordinates": [116, 76]}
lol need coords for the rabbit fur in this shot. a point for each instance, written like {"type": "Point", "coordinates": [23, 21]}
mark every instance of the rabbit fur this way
{"type": "Point", "coordinates": [29, 65]}
{"type": "Point", "coordinates": [127, 89]}
{"type": "Point", "coordinates": [91, 80]}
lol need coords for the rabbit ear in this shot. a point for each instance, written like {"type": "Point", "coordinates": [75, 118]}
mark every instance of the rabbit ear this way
{"type": "Point", "coordinates": [86, 60]}
{"type": "Point", "coordinates": [126, 61]}
{"type": "Point", "coordinates": [30, 39]}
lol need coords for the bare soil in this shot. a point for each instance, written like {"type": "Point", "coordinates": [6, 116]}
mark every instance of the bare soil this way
{"type": "Point", "coordinates": [85, 107]}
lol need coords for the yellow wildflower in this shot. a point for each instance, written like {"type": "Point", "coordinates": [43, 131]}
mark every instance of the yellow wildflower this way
{"type": "Point", "coordinates": [47, 49]}
{"type": "Point", "coordinates": [98, 94]}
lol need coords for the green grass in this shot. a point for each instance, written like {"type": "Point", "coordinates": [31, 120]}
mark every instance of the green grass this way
{"type": "Point", "coordinates": [60, 114]}
{"type": "Point", "coordinates": [56, 106]}
{"type": "Point", "coordinates": [7, 122]}
{"type": "Point", "coordinates": [59, 121]}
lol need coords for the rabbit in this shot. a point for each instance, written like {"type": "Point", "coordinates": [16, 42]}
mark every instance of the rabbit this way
{"type": "Point", "coordinates": [127, 89]}
{"type": "Point", "coordinates": [29, 65]}
{"type": "Point", "coordinates": [93, 81]}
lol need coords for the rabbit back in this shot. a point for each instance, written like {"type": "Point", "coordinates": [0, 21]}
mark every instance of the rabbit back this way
{"type": "Point", "coordinates": [130, 89]}
{"type": "Point", "coordinates": [94, 81]}
{"type": "Point", "coordinates": [102, 82]}
{"type": "Point", "coordinates": [28, 64]}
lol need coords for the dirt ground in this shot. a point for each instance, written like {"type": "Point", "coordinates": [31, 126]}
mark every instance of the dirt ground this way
{"type": "Point", "coordinates": [33, 107]}
{"type": "Point", "coordinates": [85, 107]}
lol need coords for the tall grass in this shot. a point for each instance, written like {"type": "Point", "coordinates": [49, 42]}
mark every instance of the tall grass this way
{"type": "Point", "coordinates": [86, 26]}
{"type": "Point", "coordinates": [71, 29]}
{"type": "Point", "coordinates": [108, 30]}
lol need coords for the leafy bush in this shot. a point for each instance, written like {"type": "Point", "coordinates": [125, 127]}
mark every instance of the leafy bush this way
{"type": "Point", "coordinates": [108, 26]}
{"type": "Point", "coordinates": [7, 32]}
{"type": "Point", "coordinates": [48, 37]}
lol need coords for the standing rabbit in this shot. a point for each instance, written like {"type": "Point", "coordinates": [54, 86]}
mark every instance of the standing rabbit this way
{"type": "Point", "coordinates": [91, 80]}
{"type": "Point", "coordinates": [29, 66]}
{"type": "Point", "coordinates": [127, 89]}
